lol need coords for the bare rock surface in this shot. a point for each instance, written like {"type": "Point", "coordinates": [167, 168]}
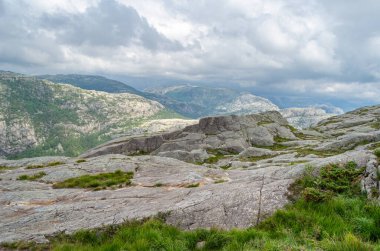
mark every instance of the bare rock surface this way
{"type": "Point", "coordinates": [232, 133]}
{"type": "Point", "coordinates": [226, 172]}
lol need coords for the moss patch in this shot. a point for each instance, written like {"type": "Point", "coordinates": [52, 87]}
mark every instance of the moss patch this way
{"type": "Point", "coordinates": [193, 185]}
{"type": "Point", "coordinates": [32, 177]}
{"type": "Point", "coordinates": [275, 147]}
{"type": "Point", "coordinates": [55, 163]}
{"type": "Point", "coordinates": [302, 152]}
{"type": "Point", "coordinates": [97, 181]}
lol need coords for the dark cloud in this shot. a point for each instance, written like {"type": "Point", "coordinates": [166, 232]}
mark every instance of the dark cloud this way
{"type": "Point", "coordinates": [107, 24]}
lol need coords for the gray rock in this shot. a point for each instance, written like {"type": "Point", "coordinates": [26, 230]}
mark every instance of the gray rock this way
{"type": "Point", "coordinates": [230, 133]}
{"type": "Point", "coordinates": [256, 152]}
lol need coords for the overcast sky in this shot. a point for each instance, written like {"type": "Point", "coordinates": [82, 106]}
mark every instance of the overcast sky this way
{"type": "Point", "coordinates": [324, 48]}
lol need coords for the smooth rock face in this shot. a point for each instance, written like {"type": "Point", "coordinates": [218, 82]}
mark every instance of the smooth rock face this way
{"type": "Point", "coordinates": [227, 191]}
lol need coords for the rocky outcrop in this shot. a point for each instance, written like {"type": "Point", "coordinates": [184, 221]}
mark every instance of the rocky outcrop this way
{"type": "Point", "coordinates": [230, 133]}
{"type": "Point", "coordinates": [308, 116]}
{"type": "Point", "coordinates": [232, 185]}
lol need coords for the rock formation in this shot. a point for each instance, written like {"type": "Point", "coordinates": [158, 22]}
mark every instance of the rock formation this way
{"type": "Point", "coordinates": [226, 172]}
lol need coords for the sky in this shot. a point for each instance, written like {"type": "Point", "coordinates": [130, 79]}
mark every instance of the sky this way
{"type": "Point", "coordinates": [325, 50]}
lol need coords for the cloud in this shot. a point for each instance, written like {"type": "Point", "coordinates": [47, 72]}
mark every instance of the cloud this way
{"type": "Point", "coordinates": [321, 48]}
{"type": "Point", "coordinates": [109, 23]}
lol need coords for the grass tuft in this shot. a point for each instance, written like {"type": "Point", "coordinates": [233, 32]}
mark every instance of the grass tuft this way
{"type": "Point", "coordinates": [193, 185]}
{"type": "Point", "coordinates": [31, 177]}
{"type": "Point", "coordinates": [97, 181]}
{"type": "Point", "coordinates": [55, 163]}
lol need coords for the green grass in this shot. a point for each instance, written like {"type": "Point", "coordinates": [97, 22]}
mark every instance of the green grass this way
{"type": "Point", "coordinates": [279, 139]}
{"type": "Point", "coordinates": [97, 181]}
{"type": "Point", "coordinates": [302, 152]}
{"type": "Point", "coordinates": [35, 166]}
{"type": "Point", "coordinates": [193, 185]}
{"type": "Point", "coordinates": [55, 163]}
{"type": "Point", "coordinates": [274, 147]}
{"type": "Point", "coordinates": [376, 125]}
{"type": "Point", "coordinates": [225, 167]}
{"type": "Point", "coordinates": [377, 152]}
{"type": "Point", "coordinates": [217, 155]}
{"type": "Point", "coordinates": [80, 161]}
{"type": "Point", "coordinates": [4, 168]}
{"type": "Point", "coordinates": [344, 220]}
{"type": "Point", "coordinates": [219, 181]}
{"type": "Point", "coordinates": [31, 177]}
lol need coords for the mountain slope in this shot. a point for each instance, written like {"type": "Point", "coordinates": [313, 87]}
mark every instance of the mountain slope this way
{"type": "Point", "coordinates": [196, 101]}
{"type": "Point", "coordinates": [99, 83]}
{"type": "Point", "coordinates": [206, 101]}
{"type": "Point", "coordinates": [92, 82]}
{"type": "Point", "coordinates": [38, 117]}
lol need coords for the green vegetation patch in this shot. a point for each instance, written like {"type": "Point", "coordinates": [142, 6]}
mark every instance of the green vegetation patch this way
{"type": "Point", "coordinates": [193, 185]}
{"type": "Point", "coordinates": [55, 163]}
{"type": "Point", "coordinates": [333, 179]}
{"type": "Point", "coordinates": [279, 139]}
{"type": "Point", "coordinates": [97, 181]}
{"type": "Point", "coordinates": [4, 168]}
{"type": "Point", "coordinates": [32, 177]}
{"type": "Point", "coordinates": [218, 154]}
{"type": "Point", "coordinates": [219, 181]}
{"type": "Point", "coordinates": [302, 152]}
{"type": "Point", "coordinates": [376, 125]}
{"type": "Point", "coordinates": [377, 152]}
{"type": "Point", "coordinates": [345, 220]}
{"type": "Point", "coordinates": [274, 147]}
{"type": "Point", "coordinates": [80, 161]}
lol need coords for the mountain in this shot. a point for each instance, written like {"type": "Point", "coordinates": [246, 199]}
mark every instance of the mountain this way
{"type": "Point", "coordinates": [207, 101]}
{"type": "Point", "coordinates": [92, 82]}
{"type": "Point", "coordinates": [195, 101]}
{"type": "Point", "coordinates": [39, 117]}
{"type": "Point", "coordinates": [99, 83]}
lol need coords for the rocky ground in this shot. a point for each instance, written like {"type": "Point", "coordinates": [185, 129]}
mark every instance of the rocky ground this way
{"type": "Point", "coordinates": [226, 172]}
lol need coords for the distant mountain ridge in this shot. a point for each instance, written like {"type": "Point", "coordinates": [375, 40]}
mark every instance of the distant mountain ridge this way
{"type": "Point", "coordinates": [209, 101]}
{"type": "Point", "coordinates": [92, 82]}
{"type": "Point", "coordinates": [39, 117]}
{"type": "Point", "coordinates": [198, 101]}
